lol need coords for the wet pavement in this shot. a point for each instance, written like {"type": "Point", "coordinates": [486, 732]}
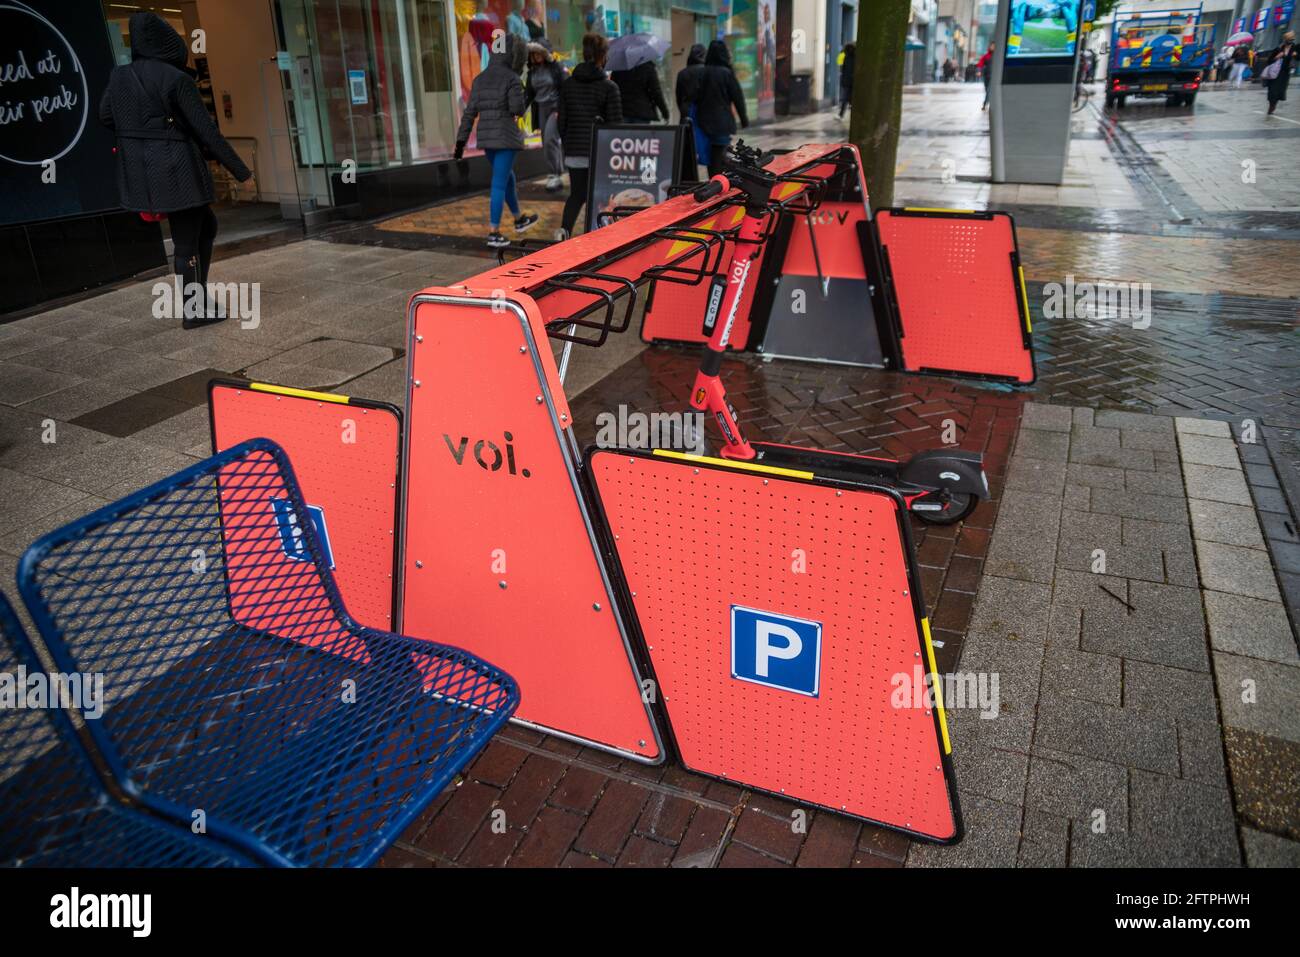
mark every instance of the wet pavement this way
{"type": "Point", "coordinates": [1152, 196]}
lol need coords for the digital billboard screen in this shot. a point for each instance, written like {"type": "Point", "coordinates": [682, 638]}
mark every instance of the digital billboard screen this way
{"type": "Point", "coordinates": [1041, 29]}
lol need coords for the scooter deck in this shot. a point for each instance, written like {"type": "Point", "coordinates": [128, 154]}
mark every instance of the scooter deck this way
{"type": "Point", "coordinates": [841, 466]}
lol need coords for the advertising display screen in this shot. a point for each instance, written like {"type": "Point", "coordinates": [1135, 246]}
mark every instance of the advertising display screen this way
{"type": "Point", "coordinates": [1039, 29]}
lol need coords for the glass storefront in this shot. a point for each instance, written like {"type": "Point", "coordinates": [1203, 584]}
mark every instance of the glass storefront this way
{"type": "Point", "coordinates": [331, 85]}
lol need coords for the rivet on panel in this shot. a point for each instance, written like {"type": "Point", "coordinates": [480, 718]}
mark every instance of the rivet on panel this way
{"type": "Point", "coordinates": [419, 564]}
{"type": "Point", "coordinates": [523, 348]}
{"type": "Point", "coordinates": [416, 383]}
{"type": "Point", "coordinates": [838, 493]}
{"type": "Point", "coordinates": [502, 583]}
{"type": "Point", "coordinates": [419, 338]}
{"type": "Point", "coordinates": [595, 606]}
{"type": "Point", "coordinates": [539, 400]}
{"type": "Point", "coordinates": [641, 743]}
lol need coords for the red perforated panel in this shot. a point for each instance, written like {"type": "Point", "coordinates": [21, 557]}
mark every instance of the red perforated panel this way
{"type": "Point", "coordinates": [835, 226]}
{"type": "Point", "coordinates": [957, 293]}
{"type": "Point", "coordinates": [500, 558]}
{"type": "Point", "coordinates": [696, 540]}
{"type": "Point", "coordinates": [677, 312]}
{"type": "Point", "coordinates": [345, 457]}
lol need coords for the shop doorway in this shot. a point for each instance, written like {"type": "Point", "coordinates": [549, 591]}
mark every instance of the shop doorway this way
{"type": "Point", "coordinates": [229, 42]}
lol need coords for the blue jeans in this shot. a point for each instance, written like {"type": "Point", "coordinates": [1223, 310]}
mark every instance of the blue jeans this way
{"type": "Point", "coordinates": [503, 183]}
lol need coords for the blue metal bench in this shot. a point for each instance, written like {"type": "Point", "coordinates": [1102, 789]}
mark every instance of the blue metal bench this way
{"type": "Point", "coordinates": [54, 811]}
{"type": "Point", "coordinates": [239, 694]}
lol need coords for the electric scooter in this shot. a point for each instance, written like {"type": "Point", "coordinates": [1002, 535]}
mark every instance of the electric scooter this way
{"type": "Point", "coordinates": [941, 486]}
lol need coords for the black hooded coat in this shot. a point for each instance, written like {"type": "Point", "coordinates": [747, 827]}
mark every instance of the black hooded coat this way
{"type": "Point", "coordinates": [164, 131]}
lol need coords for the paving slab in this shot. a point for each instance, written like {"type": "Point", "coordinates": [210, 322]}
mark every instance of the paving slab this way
{"type": "Point", "coordinates": [1252, 627]}
{"type": "Point", "coordinates": [1237, 571]}
{"type": "Point", "coordinates": [1225, 523]}
{"type": "Point", "coordinates": [1259, 696]}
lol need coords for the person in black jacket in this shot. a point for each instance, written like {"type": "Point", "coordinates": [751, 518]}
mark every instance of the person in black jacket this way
{"type": "Point", "coordinates": [1285, 56]}
{"type": "Point", "coordinates": [847, 59]}
{"type": "Point", "coordinates": [587, 97]}
{"type": "Point", "coordinates": [496, 101]}
{"type": "Point", "coordinates": [688, 84]}
{"type": "Point", "coordinates": [643, 97]}
{"type": "Point", "coordinates": [164, 133]}
{"type": "Point", "coordinates": [718, 92]}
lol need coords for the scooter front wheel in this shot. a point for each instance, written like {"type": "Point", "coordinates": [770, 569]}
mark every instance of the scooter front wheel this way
{"type": "Point", "coordinates": [957, 506]}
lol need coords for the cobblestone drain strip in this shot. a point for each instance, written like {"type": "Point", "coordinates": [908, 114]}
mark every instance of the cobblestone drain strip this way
{"type": "Point", "coordinates": [1119, 535]}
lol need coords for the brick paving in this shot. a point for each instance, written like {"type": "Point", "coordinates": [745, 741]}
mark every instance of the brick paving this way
{"type": "Point", "coordinates": [1098, 464]}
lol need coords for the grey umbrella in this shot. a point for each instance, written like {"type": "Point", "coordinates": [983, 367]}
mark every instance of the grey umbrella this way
{"type": "Point", "coordinates": [632, 50]}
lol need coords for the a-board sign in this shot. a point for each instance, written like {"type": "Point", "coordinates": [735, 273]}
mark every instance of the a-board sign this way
{"type": "Point", "coordinates": [634, 165]}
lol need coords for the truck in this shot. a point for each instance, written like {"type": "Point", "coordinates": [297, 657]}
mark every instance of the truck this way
{"type": "Point", "coordinates": [1158, 53]}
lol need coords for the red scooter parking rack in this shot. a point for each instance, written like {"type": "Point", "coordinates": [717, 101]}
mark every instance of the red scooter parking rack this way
{"type": "Point", "coordinates": [957, 291]}
{"type": "Point", "coordinates": [704, 545]}
{"type": "Point", "coordinates": [347, 453]}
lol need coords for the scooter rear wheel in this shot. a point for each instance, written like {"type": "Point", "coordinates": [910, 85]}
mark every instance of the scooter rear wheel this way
{"type": "Point", "coordinates": [957, 507]}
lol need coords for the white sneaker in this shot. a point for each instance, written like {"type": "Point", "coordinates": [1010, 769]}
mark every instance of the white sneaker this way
{"type": "Point", "coordinates": [554, 182]}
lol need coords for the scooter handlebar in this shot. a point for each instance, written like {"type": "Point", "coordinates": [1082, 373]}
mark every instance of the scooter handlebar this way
{"type": "Point", "coordinates": [714, 187]}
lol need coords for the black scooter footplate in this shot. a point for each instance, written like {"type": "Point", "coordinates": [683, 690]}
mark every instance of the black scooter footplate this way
{"type": "Point", "coordinates": [842, 466]}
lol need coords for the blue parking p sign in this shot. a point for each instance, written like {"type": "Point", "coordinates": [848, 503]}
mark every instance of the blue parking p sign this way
{"type": "Point", "coordinates": [776, 650]}
{"type": "Point", "coordinates": [291, 540]}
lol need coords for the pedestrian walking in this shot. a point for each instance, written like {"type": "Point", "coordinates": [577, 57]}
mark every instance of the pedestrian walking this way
{"type": "Point", "coordinates": [847, 59]}
{"type": "Point", "coordinates": [542, 93]}
{"type": "Point", "coordinates": [164, 136]}
{"type": "Point", "coordinates": [642, 95]}
{"type": "Point", "coordinates": [587, 97]}
{"type": "Point", "coordinates": [1240, 63]}
{"type": "Point", "coordinates": [986, 72]}
{"type": "Point", "coordinates": [718, 94]}
{"type": "Point", "coordinates": [496, 101]}
{"type": "Point", "coordinates": [1279, 63]}
{"type": "Point", "coordinates": [688, 84]}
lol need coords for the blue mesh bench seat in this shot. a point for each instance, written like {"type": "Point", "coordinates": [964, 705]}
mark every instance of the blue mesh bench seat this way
{"type": "Point", "coordinates": [54, 812]}
{"type": "Point", "coordinates": [238, 691]}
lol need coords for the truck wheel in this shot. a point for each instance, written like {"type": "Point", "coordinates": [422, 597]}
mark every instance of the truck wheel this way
{"type": "Point", "coordinates": [1190, 100]}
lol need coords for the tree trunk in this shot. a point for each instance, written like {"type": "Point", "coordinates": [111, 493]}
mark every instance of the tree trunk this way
{"type": "Point", "coordinates": [877, 100]}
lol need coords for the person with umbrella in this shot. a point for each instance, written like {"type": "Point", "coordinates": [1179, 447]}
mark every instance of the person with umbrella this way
{"type": "Point", "coordinates": [631, 65]}
{"type": "Point", "coordinates": [1278, 66]}
{"type": "Point", "coordinates": [1240, 43]}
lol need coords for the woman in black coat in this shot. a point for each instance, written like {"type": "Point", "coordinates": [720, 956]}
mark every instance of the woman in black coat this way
{"type": "Point", "coordinates": [718, 92]}
{"type": "Point", "coordinates": [1287, 54]}
{"type": "Point", "coordinates": [642, 96]}
{"type": "Point", "coordinates": [587, 97]}
{"type": "Point", "coordinates": [164, 134]}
